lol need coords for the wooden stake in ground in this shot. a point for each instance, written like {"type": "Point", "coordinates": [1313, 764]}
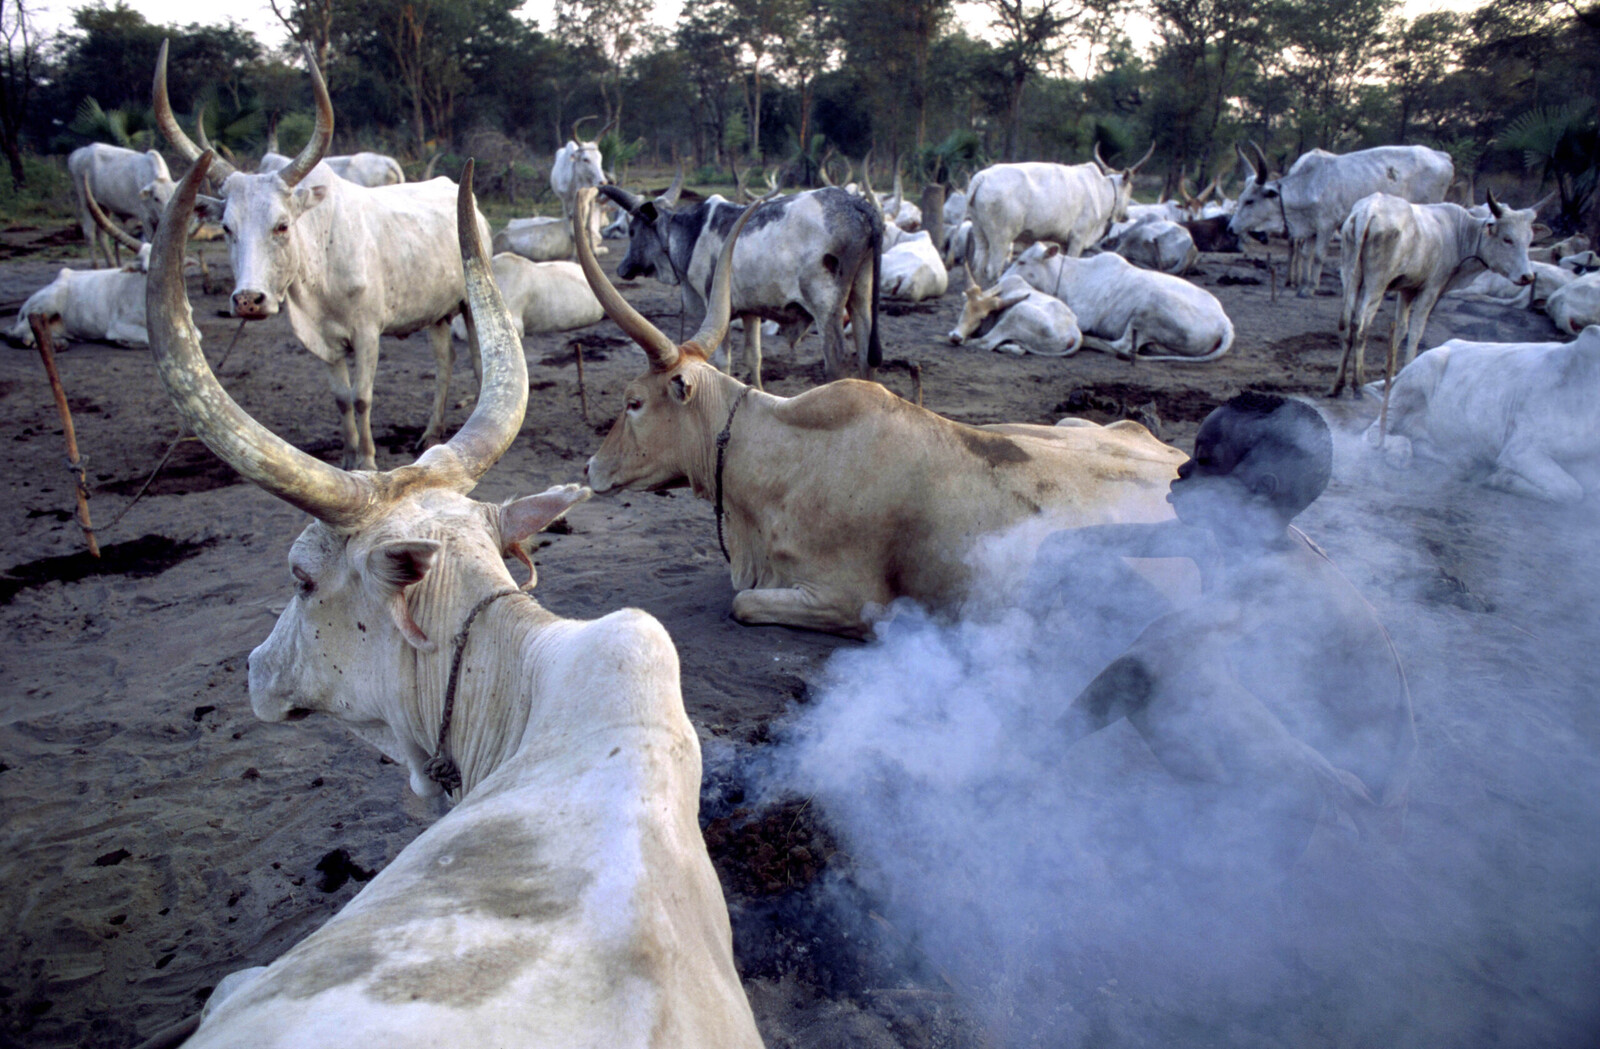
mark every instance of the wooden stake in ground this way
{"type": "Point", "coordinates": [41, 338]}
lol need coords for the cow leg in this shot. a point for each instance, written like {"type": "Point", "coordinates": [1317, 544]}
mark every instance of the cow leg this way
{"type": "Point", "coordinates": [1319, 247]}
{"type": "Point", "coordinates": [1530, 472]}
{"type": "Point", "coordinates": [344, 398]}
{"type": "Point", "coordinates": [444, 358]}
{"type": "Point", "coordinates": [1421, 310]}
{"type": "Point", "coordinates": [366, 359]}
{"type": "Point", "coordinates": [801, 607]}
{"type": "Point", "coordinates": [1402, 323]}
{"type": "Point", "coordinates": [752, 349]}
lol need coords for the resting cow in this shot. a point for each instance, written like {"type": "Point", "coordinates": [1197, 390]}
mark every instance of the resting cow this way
{"type": "Point", "coordinates": [1157, 244]}
{"type": "Point", "coordinates": [1576, 306]}
{"type": "Point", "coordinates": [1128, 311]}
{"type": "Point", "coordinates": [1418, 251]}
{"type": "Point", "coordinates": [836, 502]}
{"type": "Point", "coordinates": [567, 900]}
{"type": "Point", "coordinates": [1016, 317]}
{"type": "Point", "coordinates": [1521, 413]}
{"type": "Point", "coordinates": [539, 239]}
{"type": "Point", "coordinates": [542, 296]}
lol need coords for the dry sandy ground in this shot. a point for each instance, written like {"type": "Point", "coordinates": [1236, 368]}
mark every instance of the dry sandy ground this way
{"type": "Point", "coordinates": [156, 837]}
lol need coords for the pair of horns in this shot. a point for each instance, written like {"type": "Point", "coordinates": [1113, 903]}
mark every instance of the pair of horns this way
{"type": "Point", "coordinates": [1259, 164]}
{"type": "Point", "coordinates": [576, 124]}
{"type": "Point", "coordinates": [1107, 168]}
{"type": "Point", "coordinates": [309, 157]}
{"type": "Point", "coordinates": [340, 498]}
{"type": "Point", "coordinates": [1498, 209]}
{"type": "Point", "coordinates": [664, 355]}
{"type": "Point", "coordinates": [632, 203]}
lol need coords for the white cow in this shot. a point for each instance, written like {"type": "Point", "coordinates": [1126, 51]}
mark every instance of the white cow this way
{"type": "Point", "coordinates": [364, 169]}
{"type": "Point", "coordinates": [567, 901]}
{"type": "Point", "coordinates": [98, 305]}
{"type": "Point", "coordinates": [958, 245]}
{"type": "Point", "coordinates": [1315, 197]}
{"type": "Point", "coordinates": [577, 165]}
{"type": "Point", "coordinates": [1576, 306]}
{"type": "Point", "coordinates": [1016, 317]}
{"type": "Point", "coordinates": [127, 184]}
{"type": "Point", "coordinates": [352, 263]}
{"type": "Point", "coordinates": [1547, 280]}
{"type": "Point", "coordinates": [1075, 205]}
{"type": "Point", "coordinates": [538, 239]}
{"type": "Point", "coordinates": [1418, 251]}
{"type": "Point", "coordinates": [912, 270]}
{"type": "Point", "coordinates": [955, 210]}
{"type": "Point", "coordinates": [1125, 310]}
{"type": "Point", "coordinates": [542, 296]}
{"type": "Point", "coordinates": [1522, 412]}
{"type": "Point", "coordinates": [1157, 244]}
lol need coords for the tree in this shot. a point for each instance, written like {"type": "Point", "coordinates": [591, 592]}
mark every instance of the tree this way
{"type": "Point", "coordinates": [308, 22]}
{"type": "Point", "coordinates": [16, 82]}
{"type": "Point", "coordinates": [1030, 39]}
{"type": "Point", "coordinates": [889, 44]}
{"type": "Point", "coordinates": [1418, 55]}
{"type": "Point", "coordinates": [712, 58]}
{"type": "Point", "coordinates": [761, 27]}
{"type": "Point", "coordinates": [808, 52]}
{"type": "Point", "coordinates": [610, 31]}
{"type": "Point", "coordinates": [1326, 52]}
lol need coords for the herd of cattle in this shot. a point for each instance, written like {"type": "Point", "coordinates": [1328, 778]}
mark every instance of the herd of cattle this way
{"type": "Point", "coordinates": [568, 898]}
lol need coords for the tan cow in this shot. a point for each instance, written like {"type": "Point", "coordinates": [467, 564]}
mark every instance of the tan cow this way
{"type": "Point", "coordinates": [567, 901]}
{"type": "Point", "coordinates": [846, 497]}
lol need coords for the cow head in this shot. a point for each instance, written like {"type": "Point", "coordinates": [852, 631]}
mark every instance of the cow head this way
{"type": "Point", "coordinates": [1040, 266]}
{"type": "Point", "coordinates": [259, 212]}
{"type": "Point", "coordinates": [1260, 207]}
{"type": "Point", "coordinates": [387, 572]}
{"type": "Point", "coordinates": [666, 424]}
{"type": "Point", "coordinates": [1121, 182]}
{"type": "Point", "coordinates": [1503, 239]}
{"type": "Point", "coordinates": [981, 304]}
{"type": "Point", "coordinates": [578, 163]}
{"type": "Point", "coordinates": [649, 229]}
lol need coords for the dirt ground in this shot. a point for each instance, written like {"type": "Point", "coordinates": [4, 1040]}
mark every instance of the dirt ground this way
{"type": "Point", "coordinates": [155, 836]}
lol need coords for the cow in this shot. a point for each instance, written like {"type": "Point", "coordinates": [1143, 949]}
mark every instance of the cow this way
{"type": "Point", "coordinates": [352, 263]}
{"type": "Point", "coordinates": [1128, 311]}
{"type": "Point", "coordinates": [1075, 205]}
{"type": "Point", "coordinates": [807, 258]}
{"type": "Point", "coordinates": [955, 209]}
{"type": "Point", "coordinates": [576, 165]}
{"type": "Point", "coordinates": [958, 245]}
{"type": "Point", "coordinates": [1576, 306]}
{"type": "Point", "coordinates": [842, 499]}
{"type": "Point", "coordinates": [1547, 279]}
{"type": "Point", "coordinates": [911, 269]}
{"type": "Point", "coordinates": [567, 898]}
{"type": "Point", "coordinates": [364, 169]}
{"type": "Point", "coordinates": [542, 296]}
{"type": "Point", "coordinates": [1157, 244]}
{"type": "Point", "coordinates": [126, 183]}
{"type": "Point", "coordinates": [1016, 317]}
{"type": "Point", "coordinates": [1521, 414]}
{"type": "Point", "coordinates": [1417, 251]}
{"type": "Point", "coordinates": [537, 239]}
{"type": "Point", "coordinates": [1310, 202]}
{"type": "Point", "coordinates": [1212, 234]}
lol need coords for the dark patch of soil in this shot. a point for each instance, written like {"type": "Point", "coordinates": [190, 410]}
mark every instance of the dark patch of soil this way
{"type": "Point", "coordinates": [337, 868]}
{"type": "Point", "coordinates": [138, 558]}
{"type": "Point", "coordinates": [191, 468]}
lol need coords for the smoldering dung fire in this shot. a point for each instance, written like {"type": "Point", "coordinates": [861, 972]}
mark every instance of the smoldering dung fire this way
{"type": "Point", "coordinates": [1081, 896]}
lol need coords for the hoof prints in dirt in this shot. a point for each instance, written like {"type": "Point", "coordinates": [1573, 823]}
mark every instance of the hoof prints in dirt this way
{"type": "Point", "coordinates": [137, 558]}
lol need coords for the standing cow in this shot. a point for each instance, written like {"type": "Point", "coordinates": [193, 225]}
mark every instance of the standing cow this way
{"type": "Point", "coordinates": [1074, 205]}
{"type": "Point", "coordinates": [351, 263]}
{"type": "Point", "coordinates": [567, 900]}
{"type": "Point", "coordinates": [803, 260]}
{"type": "Point", "coordinates": [1316, 196]}
{"type": "Point", "coordinates": [126, 183]}
{"type": "Point", "coordinates": [1418, 251]}
{"type": "Point", "coordinates": [578, 165]}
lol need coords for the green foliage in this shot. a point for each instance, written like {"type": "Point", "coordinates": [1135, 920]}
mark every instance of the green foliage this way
{"type": "Point", "coordinates": [954, 159]}
{"type": "Point", "coordinates": [617, 153]}
{"type": "Point", "coordinates": [46, 195]}
{"type": "Point", "coordinates": [1562, 145]}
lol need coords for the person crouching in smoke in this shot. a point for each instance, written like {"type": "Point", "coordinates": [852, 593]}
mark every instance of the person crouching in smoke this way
{"type": "Point", "coordinates": [1279, 687]}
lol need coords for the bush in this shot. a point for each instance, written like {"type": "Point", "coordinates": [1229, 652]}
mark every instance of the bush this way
{"type": "Point", "coordinates": [47, 193]}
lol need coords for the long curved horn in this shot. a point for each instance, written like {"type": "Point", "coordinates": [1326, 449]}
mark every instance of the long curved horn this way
{"type": "Point", "coordinates": [662, 351]}
{"type": "Point", "coordinates": [503, 390]}
{"type": "Point", "coordinates": [169, 123]}
{"type": "Point", "coordinates": [670, 197]}
{"type": "Point", "coordinates": [200, 131]}
{"type": "Point", "coordinates": [433, 162]}
{"type": "Point", "coordinates": [1099, 161]}
{"type": "Point", "coordinates": [1547, 198]}
{"type": "Point", "coordinates": [719, 307]}
{"type": "Point", "coordinates": [328, 493]}
{"type": "Point", "coordinates": [576, 124]}
{"type": "Point", "coordinates": [1263, 169]}
{"type": "Point", "coordinates": [1147, 155]}
{"type": "Point", "coordinates": [866, 185]}
{"type": "Point", "coordinates": [1495, 207]}
{"type": "Point", "coordinates": [822, 167]}
{"type": "Point", "coordinates": [972, 282]}
{"type": "Point", "coordinates": [627, 201]}
{"type": "Point", "coordinates": [322, 137]}
{"type": "Point", "coordinates": [126, 239]}
{"type": "Point", "coordinates": [741, 194]}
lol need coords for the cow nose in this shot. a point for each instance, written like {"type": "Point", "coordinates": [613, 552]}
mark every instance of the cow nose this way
{"type": "Point", "coordinates": [955, 338]}
{"type": "Point", "coordinates": [1525, 279]}
{"type": "Point", "coordinates": [249, 304]}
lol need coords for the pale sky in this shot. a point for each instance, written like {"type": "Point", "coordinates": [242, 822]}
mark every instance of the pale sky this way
{"type": "Point", "coordinates": [257, 16]}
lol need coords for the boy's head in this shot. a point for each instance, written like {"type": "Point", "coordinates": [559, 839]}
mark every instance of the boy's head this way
{"type": "Point", "coordinates": [1258, 461]}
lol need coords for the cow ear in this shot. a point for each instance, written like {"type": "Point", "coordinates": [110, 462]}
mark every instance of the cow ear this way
{"type": "Point", "coordinates": [1541, 230]}
{"type": "Point", "coordinates": [1052, 251]}
{"type": "Point", "coordinates": [521, 518]}
{"type": "Point", "coordinates": [210, 208]}
{"type": "Point", "coordinates": [307, 197]}
{"type": "Point", "coordinates": [392, 567]}
{"type": "Point", "coordinates": [681, 388]}
{"type": "Point", "coordinates": [1014, 296]}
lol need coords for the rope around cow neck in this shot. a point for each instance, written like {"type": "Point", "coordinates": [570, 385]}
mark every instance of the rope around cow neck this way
{"type": "Point", "coordinates": [722, 444]}
{"type": "Point", "coordinates": [441, 768]}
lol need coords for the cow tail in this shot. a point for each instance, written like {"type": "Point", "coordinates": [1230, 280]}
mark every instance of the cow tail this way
{"type": "Point", "coordinates": [874, 343]}
{"type": "Point", "coordinates": [1352, 271]}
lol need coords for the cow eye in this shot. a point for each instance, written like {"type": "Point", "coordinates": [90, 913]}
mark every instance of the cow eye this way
{"type": "Point", "coordinates": [634, 404]}
{"type": "Point", "coordinates": [281, 228]}
{"type": "Point", "coordinates": [227, 230]}
{"type": "Point", "coordinates": [1270, 193]}
{"type": "Point", "coordinates": [303, 580]}
{"type": "Point", "coordinates": [1507, 240]}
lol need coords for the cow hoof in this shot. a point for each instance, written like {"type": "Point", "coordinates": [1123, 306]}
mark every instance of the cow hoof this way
{"type": "Point", "coordinates": [1304, 293]}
